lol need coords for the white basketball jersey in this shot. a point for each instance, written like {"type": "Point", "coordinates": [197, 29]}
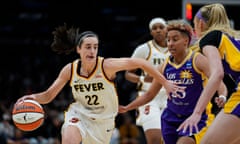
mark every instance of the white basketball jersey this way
{"type": "Point", "coordinates": [95, 95]}
{"type": "Point", "coordinates": [156, 56]}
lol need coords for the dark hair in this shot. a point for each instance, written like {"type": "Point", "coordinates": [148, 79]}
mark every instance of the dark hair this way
{"type": "Point", "coordinates": [182, 26]}
{"type": "Point", "coordinates": [83, 35]}
{"type": "Point", "coordinates": [65, 40]}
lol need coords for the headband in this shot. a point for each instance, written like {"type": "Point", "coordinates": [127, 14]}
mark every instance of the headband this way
{"type": "Point", "coordinates": [155, 21]}
{"type": "Point", "coordinates": [84, 35]}
{"type": "Point", "coordinates": [199, 16]}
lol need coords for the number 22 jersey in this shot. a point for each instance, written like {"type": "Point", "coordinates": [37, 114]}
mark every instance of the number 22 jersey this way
{"type": "Point", "coordinates": [95, 95]}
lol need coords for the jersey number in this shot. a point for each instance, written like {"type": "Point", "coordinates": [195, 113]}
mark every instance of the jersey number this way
{"type": "Point", "coordinates": [180, 94]}
{"type": "Point", "coordinates": [92, 100]}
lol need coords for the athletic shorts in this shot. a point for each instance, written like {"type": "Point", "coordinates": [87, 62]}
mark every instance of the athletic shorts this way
{"type": "Point", "coordinates": [232, 106]}
{"type": "Point", "coordinates": [149, 115]}
{"type": "Point", "coordinates": [93, 131]}
{"type": "Point", "coordinates": [171, 121]}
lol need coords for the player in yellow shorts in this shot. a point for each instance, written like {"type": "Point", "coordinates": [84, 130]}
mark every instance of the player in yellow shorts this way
{"type": "Point", "coordinates": [219, 43]}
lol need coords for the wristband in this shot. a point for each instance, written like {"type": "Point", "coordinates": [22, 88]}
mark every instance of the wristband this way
{"type": "Point", "coordinates": [141, 79]}
{"type": "Point", "coordinates": [223, 97]}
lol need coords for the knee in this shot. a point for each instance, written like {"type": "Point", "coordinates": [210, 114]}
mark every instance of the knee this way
{"type": "Point", "coordinates": [71, 135]}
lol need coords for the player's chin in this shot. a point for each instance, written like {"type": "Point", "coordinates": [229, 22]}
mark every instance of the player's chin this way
{"type": "Point", "coordinates": [172, 51]}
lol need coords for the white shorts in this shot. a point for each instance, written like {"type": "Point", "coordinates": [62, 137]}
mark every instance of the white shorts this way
{"type": "Point", "coordinates": [93, 131]}
{"type": "Point", "coordinates": [149, 115]}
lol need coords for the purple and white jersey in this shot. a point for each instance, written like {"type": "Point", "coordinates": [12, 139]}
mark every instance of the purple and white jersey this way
{"type": "Point", "coordinates": [185, 74]}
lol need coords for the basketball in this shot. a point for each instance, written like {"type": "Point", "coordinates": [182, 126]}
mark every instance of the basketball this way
{"type": "Point", "coordinates": [28, 115]}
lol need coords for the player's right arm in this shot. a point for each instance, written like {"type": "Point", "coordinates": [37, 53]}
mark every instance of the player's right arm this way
{"type": "Point", "coordinates": [49, 94]}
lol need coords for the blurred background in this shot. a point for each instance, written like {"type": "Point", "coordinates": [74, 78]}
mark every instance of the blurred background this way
{"type": "Point", "coordinates": [29, 65]}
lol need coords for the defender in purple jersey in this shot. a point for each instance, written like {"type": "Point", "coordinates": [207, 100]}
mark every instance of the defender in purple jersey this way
{"type": "Point", "coordinates": [219, 42]}
{"type": "Point", "coordinates": [190, 70]}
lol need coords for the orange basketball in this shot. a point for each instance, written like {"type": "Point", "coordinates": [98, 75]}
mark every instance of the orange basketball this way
{"type": "Point", "coordinates": [28, 115]}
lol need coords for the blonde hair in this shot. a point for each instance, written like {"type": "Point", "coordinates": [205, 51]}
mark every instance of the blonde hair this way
{"type": "Point", "coordinates": [216, 18]}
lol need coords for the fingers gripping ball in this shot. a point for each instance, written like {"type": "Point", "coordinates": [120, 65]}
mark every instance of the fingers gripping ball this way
{"type": "Point", "coordinates": [28, 115]}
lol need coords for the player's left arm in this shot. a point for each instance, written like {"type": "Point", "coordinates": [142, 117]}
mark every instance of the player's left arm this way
{"type": "Point", "coordinates": [114, 65]}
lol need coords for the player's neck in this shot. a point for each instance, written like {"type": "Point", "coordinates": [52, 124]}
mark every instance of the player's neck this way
{"type": "Point", "coordinates": [86, 69]}
{"type": "Point", "coordinates": [181, 58]}
{"type": "Point", "coordinates": [161, 44]}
